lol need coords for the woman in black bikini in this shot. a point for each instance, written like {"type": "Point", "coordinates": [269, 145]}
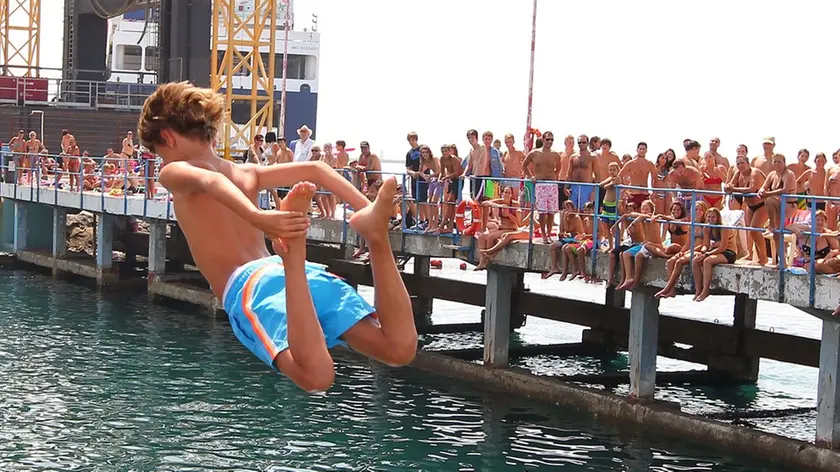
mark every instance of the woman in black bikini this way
{"type": "Point", "coordinates": [679, 232]}
{"type": "Point", "coordinates": [749, 180]}
{"type": "Point", "coordinates": [781, 181]}
{"type": "Point", "coordinates": [679, 260]}
{"type": "Point", "coordinates": [719, 246]}
{"type": "Point", "coordinates": [827, 247]}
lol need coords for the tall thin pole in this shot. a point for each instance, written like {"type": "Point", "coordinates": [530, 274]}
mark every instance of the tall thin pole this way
{"type": "Point", "coordinates": [286, 27]}
{"type": "Point", "coordinates": [531, 80]}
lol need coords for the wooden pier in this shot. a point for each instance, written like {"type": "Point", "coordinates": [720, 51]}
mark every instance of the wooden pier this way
{"type": "Point", "coordinates": [34, 229]}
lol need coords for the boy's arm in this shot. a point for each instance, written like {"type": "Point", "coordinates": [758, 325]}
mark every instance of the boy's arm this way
{"type": "Point", "coordinates": [182, 178]}
{"type": "Point", "coordinates": [316, 172]}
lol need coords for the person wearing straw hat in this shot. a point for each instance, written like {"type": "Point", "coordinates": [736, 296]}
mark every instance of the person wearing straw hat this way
{"type": "Point", "coordinates": [302, 147]}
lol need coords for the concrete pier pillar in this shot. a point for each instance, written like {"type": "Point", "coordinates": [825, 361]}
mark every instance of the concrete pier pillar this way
{"type": "Point", "coordinates": [21, 230]}
{"type": "Point", "coordinates": [106, 273]}
{"type": "Point", "coordinates": [422, 306]}
{"type": "Point", "coordinates": [828, 387]}
{"type": "Point", "coordinates": [644, 334]}
{"type": "Point", "coordinates": [739, 366]}
{"type": "Point", "coordinates": [59, 236]}
{"type": "Point", "coordinates": [157, 249]}
{"type": "Point", "coordinates": [59, 233]}
{"type": "Point", "coordinates": [615, 298]}
{"type": "Point", "coordinates": [500, 284]}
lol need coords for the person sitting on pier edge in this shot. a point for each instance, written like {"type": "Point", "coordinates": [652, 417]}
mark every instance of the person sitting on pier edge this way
{"type": "Point", "coordinates": [579, 251]}
{"type": "Point", "coordinates": [674, 266]}
{"type": "Point", "coordinates": [677, 227]}
{"type": "Point", "coordinates": [719, 247]}
{"type": "Point", "coordinates": [633, 259]}
{"type": "Point", "coordinates": [509, 209]}
{"type": "Point", "coordinates": [629, 237]}
{"type": "Point", "coordinates": [570, 231]}
{"type": "Point", "coordinates": [286, 311]}
{"type": "Point", "coordinates": [827, 248]}
{"type": "Point", "coordinates": [506, 227]}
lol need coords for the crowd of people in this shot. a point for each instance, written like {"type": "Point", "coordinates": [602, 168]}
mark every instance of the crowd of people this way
{"type": "Point", "coordinates": [644, 206]}
{"type": "Point", "coordinates": [131, 171]}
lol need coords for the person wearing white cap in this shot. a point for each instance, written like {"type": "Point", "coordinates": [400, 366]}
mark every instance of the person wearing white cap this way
{"type": "Point", "coordinates": [302, 146]}
{"type": "Point", "coordinates": [765, 163]}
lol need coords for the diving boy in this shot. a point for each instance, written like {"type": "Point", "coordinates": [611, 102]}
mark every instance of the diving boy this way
{"type": "Point", "coordinates": [285, 311]}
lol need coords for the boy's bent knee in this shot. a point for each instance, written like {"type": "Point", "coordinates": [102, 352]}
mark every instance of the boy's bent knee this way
{"type": "Point", "coordinates": [318, 381]}
{"type": "Point", "coordinates": [402, 354]}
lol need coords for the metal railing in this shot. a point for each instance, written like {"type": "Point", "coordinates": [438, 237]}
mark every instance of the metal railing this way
{"type": "Point", "coordinates": [91, 94]}
{"type": "Point", "coordinates": [144, 172]}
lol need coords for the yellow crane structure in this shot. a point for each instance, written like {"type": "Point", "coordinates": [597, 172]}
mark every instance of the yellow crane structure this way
{"type": "Point", "coordinates": [238, 44]}
{"type": "Point", "coordinates": [20, 37]}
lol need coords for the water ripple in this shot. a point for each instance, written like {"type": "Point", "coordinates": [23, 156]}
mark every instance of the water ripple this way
{"type": "Point", "coordinates": [113, 383]}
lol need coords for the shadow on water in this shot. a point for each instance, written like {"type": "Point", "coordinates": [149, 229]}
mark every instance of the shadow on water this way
{"type": "Point", "coordinates": [115, 383]}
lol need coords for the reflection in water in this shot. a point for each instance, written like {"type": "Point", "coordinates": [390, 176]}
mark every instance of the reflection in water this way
{"type": "Point", "coordinates": [111, 383]}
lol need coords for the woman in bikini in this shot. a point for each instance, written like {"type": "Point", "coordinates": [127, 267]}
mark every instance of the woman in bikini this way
{"type": "Point", "coordinates": [719, 246]}
{"type": "Point", "coordinates": [678, 232]}
{"type": "Point", "coordinates": [74, 165]}
{"type": "Point", "coordinates": [490, 241]}
{"type": "Point", "coordinates": [679, 260]}
{"type": "Point", "coordinates": [781, 181]}
{"type": "Point", "coordinates": [713, 176]}
{"type": "Point", "coordinates": [827, 247]}
{"type": "Point", "coordinates": [748, 180]}
{"type": "Point", "coordinates": [661, 199]}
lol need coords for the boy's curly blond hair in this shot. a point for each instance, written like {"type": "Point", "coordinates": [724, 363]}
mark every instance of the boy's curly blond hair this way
{"type": "Point", "coordinates": [188, 110]}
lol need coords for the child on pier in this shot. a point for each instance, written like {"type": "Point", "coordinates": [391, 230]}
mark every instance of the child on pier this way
{"type": "Point", "coordinates": [286, 311]}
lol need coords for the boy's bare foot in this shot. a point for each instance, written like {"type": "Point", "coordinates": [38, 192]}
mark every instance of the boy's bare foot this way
{"type": "Point", "coordinates": [371, 222]}
{"type": "Point", "coordinates": [299, 199]}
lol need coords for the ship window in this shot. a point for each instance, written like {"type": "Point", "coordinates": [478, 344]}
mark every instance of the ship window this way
{"type": "Point", "coordinates": [129, 57]}
{"type": "Point", "coordinates": [152, 58]}
{"type": "Point", "coordinates": [295, 69]}
{"type": "Point", "coordinates": [243, 72]}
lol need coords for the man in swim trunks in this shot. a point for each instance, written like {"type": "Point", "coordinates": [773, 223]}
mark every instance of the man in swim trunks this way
{"type": "Point", "coordinates": [764, 163]}
{"type": "Point", "coordinates": [544, 164]}
{"type": "Point", "coordinates": [18, 146]}
{"type": "Point", "coordinates": [686, 177]}
{"type": "Point", "coordinates": [639, 172]}
{"type": "Point", "coordinates": [512, 163]}
{"type": "Point", "coordinates": [451, 170]}
{"type": "Point", "coordinates": [798, 168]}
{"type": "Point", "coordinates": [582, 168]}
{"type": "Point", "coordinates": [287, 312]}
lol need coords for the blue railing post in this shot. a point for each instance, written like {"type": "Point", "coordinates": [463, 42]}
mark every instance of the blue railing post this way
{"type": "Point", "coordinates": [692, 236]}
{"type": "Point", "coordinates": [596, 221]}
{"type": "Point", "coordinates": [780, 247]}
{"type": "Point", "coordinates": [812, 274]}
{"type": "Point", "coordinates": [531, 198]}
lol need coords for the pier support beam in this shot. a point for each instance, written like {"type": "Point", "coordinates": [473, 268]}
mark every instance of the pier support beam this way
{"type": "Point", "coordinates": [105, 271]}
{"type": "Point", "coordinates": [59, 236]}
{"type": "Point", "coordinates": [644, 334]}
{"type": "Point", "coordinates": [21, 230]}
{"type": "Point", "coordinates": [828, 388]}
{"type": "Point", "coordinates": [739, 366]}
{"type": "Point", "coordinates": [157, 250]}
{"type": "Point", "coordinates": [500, 285]}
{"type": "Point", "coordinates": [420, 305]}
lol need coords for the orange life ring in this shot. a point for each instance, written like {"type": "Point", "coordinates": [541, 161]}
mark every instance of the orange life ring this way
{"type": "Point", "coordinates": [468, 222]}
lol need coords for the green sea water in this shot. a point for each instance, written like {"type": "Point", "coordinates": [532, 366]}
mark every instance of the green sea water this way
{"type": "Point", "coordinates": [114, 383]}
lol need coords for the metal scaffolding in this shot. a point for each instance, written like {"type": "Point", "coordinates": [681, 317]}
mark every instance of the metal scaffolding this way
{"type": "Point", "coordinates": [20, 37]}
{"type": "Point", "coordinates": [237, 42]}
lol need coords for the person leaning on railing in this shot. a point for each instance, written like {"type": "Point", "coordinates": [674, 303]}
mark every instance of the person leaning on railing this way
{"type": "Point", "coordinates": [826, 245]}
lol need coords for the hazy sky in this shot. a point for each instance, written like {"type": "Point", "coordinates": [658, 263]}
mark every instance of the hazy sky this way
{"type": "Point", "coordinates": [647, 70]}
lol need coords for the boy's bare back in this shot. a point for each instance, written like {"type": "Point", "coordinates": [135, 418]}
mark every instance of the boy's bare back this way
{"type": "Point", "coordinates": [220, 241]}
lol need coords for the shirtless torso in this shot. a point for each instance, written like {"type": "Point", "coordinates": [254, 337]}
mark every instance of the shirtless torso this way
{"type": "Point", "coordinates": [763, 163]}
{"type": "Point", "coordinates": [513, 164]}
{"type": "Point", "coordinates": [541, 164]}
{"type": "Point", "coordinates": [342, 159]}
{"type": "Point", "coordinates": [127, 147]}
{"type": "Point", "coordinates": [582, 167]}
{"type": "Point", "coordinates": [603, 160]}
{"type": "Point", "coordinates": [638, 171]}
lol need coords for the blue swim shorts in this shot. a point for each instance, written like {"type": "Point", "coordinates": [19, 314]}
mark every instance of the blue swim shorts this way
{"type": "Point", "coordinates": [255, 300]}
{"type": "Point", "coordinates": [580, 195]}
{"type": "Point", "coordinates": [635, 249]}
